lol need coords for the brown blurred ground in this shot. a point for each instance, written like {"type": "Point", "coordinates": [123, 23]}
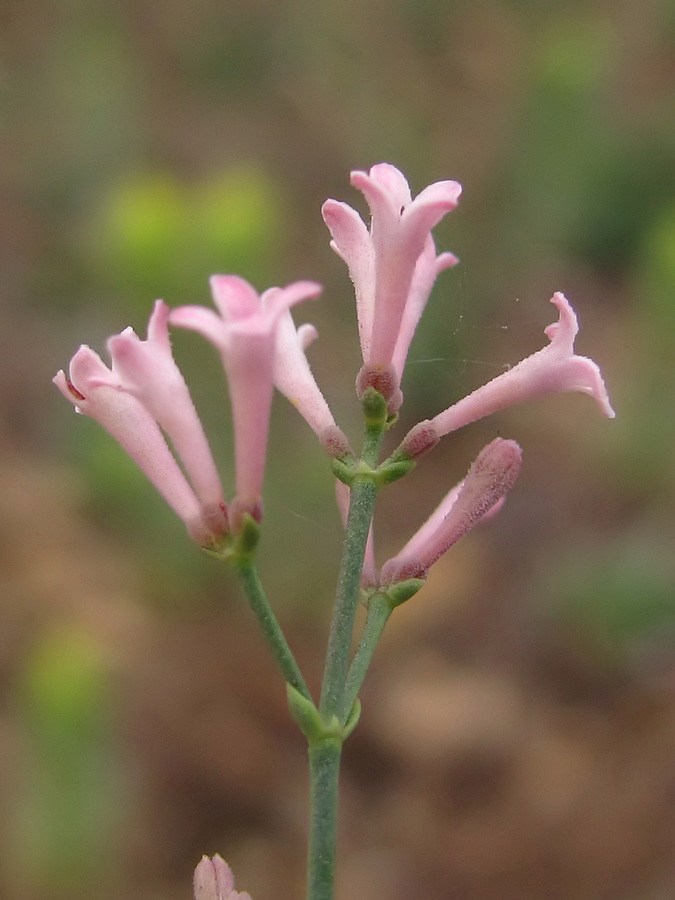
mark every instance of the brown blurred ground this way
{"type": "Point", "coordinates": [518, 736]}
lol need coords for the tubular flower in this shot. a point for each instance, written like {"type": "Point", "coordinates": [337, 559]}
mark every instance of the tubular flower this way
{"type": "Point", "coordinates": [293, 378]}
{"type": "Point", "coordinates": [245, 332]}
{"type": "Point", "coordinates": [213, 880]}
{"type": "Point", "coordinates": [147, 371]}
{"type": "Point", "coordinates": [553, 369]}
{"type": "Point", "coordinates": [481, 494]}
{"type": "Point", "coordinates": [94, 391]}
{"type": "Point", "coordinates": [393, 266]}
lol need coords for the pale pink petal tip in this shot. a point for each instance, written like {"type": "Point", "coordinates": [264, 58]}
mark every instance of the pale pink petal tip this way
{"type": "Point", "coordinates": [213, 880]}
{"type": "Point", "coordinates": [582, 373]}
{"type": "Point", "coordinates": [553, 369]}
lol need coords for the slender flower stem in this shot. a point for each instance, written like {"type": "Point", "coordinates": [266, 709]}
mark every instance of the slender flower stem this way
{"type": "Point", "coordinates": [269, 623]}
{"type": "Point", "coordinates": [379, 610]}
{"type": "Point", "coordinates": [362, 503]}
{"type": "Point", "coordinates": [324, 768]}
{"type": "Point", "coordinates": [361, 506]}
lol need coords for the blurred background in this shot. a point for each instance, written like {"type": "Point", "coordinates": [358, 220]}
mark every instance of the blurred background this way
{"type": "Point", "coordinates": [518, 737]}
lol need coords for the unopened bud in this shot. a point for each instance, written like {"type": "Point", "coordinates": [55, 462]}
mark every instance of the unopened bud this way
{"type": "Point", "coordinates": [489, 479]}
{"type": "Point", "coordinates": [213, 880]}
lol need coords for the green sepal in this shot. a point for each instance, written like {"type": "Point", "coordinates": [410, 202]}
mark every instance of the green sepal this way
{"type": "Point", "coordinates": [358, 469]}
{"type": "Point", "coordinates": [375, 410]}
{"type": "Point", "coordinates": [403, 590]}
{"type": "Point", "coordinates": [224, 552]}
{"type": "Point", "coordinates": [352, 719]}
{"type": "Point", "coordinates": [390, 470]}
{"type": "Point", "coordinates": [344, 471]}
{"type": "Point", "coordinates": [310, 721]}
{"type": "Point", "coordinates": [247, 538]}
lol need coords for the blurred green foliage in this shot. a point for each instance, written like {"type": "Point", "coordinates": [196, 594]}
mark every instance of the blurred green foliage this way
{"type": "Point", "coordinates": [66, 813]}
{"type": "Point", "coordinates": [158, 236]}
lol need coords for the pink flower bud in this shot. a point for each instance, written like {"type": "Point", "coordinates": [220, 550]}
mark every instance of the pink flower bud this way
{"type": "Point", "coordinates": [489, 479]}
{"type": "Point", "coordinates": [213, 880]}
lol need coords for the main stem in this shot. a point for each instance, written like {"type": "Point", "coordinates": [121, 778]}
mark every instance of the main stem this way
{"type": "Point", "coordinates": [324, 770]}
{"type": "Point", "coordinates": [324, 755]}
{"type": "Point", "coordinates": [361, 506]}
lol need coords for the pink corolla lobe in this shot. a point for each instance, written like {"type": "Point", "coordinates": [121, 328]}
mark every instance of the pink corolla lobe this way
{"type": "Point", "coordinates": [393, 266]}
{"type": "Point", "coordinates": [294, 379]}
{"type": "Point", "coordinates": [245, 331]}
{"type": "Point", "coordinates": [553, 369]}
{"type": "Point", "coordinates": [100, 393]}
{"type": "Point", "coordinates": [213, 880]}
{"type": "Point", "coordinates": [481, 494]}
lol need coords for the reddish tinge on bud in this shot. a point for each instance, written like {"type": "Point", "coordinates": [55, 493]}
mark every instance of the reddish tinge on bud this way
{"type": "Point", "coordinates": [213, 880]}
{"type": "Point", "coordinates": [419, 440]}
{"type": "Point", "coordinates": [489, 479]}
{"type": "Point", "coordinates": [382, 378]}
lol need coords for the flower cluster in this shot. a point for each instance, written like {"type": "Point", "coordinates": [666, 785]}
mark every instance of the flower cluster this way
{"type": "Point", "coordinates": [393, 266]}
{"type": "Point", "coordinates": [143, 401]}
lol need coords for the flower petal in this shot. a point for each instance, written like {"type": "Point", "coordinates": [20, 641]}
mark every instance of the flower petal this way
{"type": "Point", "coordinates": [555, 368]}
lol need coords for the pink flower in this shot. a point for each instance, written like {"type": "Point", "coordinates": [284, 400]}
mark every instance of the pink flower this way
{"type": "Point", "coordinates": [294, 379]}
{"type": "Point", "coordinates": [481, 494]}
{"type": "Point", "coordinates": [213, 880]}
{"type": "Point", "coordinates": [94, 391]}
{"type": "Point", "coordinates": [147, 371]}
{"type": "Point", "coordinates": [393, 267]}
{"type": "Point", "coordinates": [245, 332]}
{"type": "Point", "coordinates": [555, 368]}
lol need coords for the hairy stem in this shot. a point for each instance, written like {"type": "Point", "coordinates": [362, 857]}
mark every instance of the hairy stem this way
{"type": "Point", "coordinates": [324, 769]}
{"type": "Point", "coordinates": [259, 603]}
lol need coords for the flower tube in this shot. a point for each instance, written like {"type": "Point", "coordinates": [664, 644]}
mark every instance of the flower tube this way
{"type": "Point", "coordinates": [147, 370]}
{"type": "Point", "coordinates": [244, 331]}
{"type": "Point", "coordinates": [132, 425]}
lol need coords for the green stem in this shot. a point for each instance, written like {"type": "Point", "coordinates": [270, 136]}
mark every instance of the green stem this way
{"type": "Point", "coordinates": [324, 769]}
{"type": "Point", "coordinates": [379, 610]}
{"type": "Point", "coordinates": [361, 506]}
{"type": "Point", "coordinates": [269, 623]}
